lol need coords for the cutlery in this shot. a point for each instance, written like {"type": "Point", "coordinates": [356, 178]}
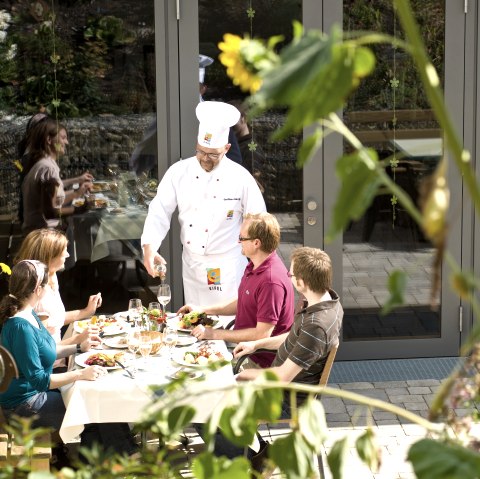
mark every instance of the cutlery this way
{"type": "Point", "coordinates": [125, 369]}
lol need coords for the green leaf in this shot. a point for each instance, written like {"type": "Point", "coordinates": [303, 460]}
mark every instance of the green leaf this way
{"type": "Point", "coordinates": [360, 181]}
{"type": "Point", "coordinates": [309, 146]}
{"type": "Point", "coordinates": [368, 450]}
{"type": "Point", "coordinates": [180, 417]}
{"type": "Point", "coordinates": [336, 458]}
{"type": "Point", "coordinates": [238, 429]}
{"type": "Point", "coordinates": [207, 466]}
{"type": "Point", "coordinates": [397, 283]}
{"type": "Point", "coordinates": [312, 423]}
{"type": "Point", "coordinates": [293, 456]}
{"type": "Point", "coordinates": [437, 459]}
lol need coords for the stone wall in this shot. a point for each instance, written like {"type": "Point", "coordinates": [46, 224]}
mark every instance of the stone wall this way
{"type": "Point", "coordinates": [95, 143]}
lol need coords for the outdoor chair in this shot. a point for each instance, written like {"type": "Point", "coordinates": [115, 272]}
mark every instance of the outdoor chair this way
{"type": "Point", "coordinates": [322, 382]}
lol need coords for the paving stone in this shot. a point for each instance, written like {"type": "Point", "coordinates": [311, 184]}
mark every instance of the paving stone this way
{"type": "Point", "coordinates": [356, 386]}
{"type": "Point", "coordinates": [333, 405]}
{"type": "Point", "coordinates": [337, 418]}
{"type": "Point", "coordinates": [419, 390]}
{"type": "Point", "coordinates": [407, 397]}
{"type": "Point", "coordinates": [396, 391]}
{"type": "Point", "coordinates": [390, 384]}
{"type": "Point", "coordinates": [423, 382]}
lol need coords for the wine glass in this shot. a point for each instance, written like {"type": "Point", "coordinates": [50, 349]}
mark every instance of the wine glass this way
{"type": "Point", "coordinates": [164, 295]}
{"type": "Point", "coordinates": [135, 310]}
{"type": "Point", "coordinates": [170, 339]}
{"type": "Point", "coordinates": [133, 343]}
{"type": "Point", "coordinates": [145, 348]}
{"type": "Point", "coordinates": [155, 317]}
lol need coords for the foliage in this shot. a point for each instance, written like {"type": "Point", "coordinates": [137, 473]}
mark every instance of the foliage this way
{"type": "Point", "coordinates": [65, 69]}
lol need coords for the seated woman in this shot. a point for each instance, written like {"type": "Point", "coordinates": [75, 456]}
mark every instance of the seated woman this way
{"type": "Point", "coordinates": [50, 247]}
{"type": "Point", "coordinates": [43, 191]}
{"type": "Point", "coordinates": [36, 392]}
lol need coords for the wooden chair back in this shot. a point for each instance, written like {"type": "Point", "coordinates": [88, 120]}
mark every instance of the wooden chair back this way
{"type": "Point", "coordinates": [328, 366]}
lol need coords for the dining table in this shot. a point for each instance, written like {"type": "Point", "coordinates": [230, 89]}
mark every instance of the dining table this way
{"type": "Point", "coordinates": [117, 397]}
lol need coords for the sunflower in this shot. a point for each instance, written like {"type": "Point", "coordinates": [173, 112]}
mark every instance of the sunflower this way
{"type": "Point", "coordinates": [235, 51]}
{"type": "Point", "coordinates": [5, 268]}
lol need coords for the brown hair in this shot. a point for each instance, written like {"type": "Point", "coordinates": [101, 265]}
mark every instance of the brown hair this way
{"type": "Point", "coordinates": [43, 245]}
{"type": "Point", "coordinates": [25, 278]}
{"type": "Point", "coordinates": [265, 227]}
{"type": "Point", "coordinates": [314, 267]}
{"type": "Point", "coordinates": [39, 145]}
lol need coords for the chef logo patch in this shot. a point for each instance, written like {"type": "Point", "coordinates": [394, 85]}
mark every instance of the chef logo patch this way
{"type": "Point", "coordinates": [207, 138]}
{"type": "Point", "coordinates": [229, 214]}
{"type": "Point", "coordinates": [213, 276]}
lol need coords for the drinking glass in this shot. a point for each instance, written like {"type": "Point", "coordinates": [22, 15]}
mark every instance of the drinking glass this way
{"type": "Point", "coordinates": [164, 295]}
{"type": "Point", "coordinates": [133, 343]}
{"type": "Point", "coordinates": [135, 310]}
{"type": "Point", "coordinates": [155, 315]}
{"type": "Point", "coordinates": [145, 348]}
{"type": "Point", "coordinates": [170, 339]}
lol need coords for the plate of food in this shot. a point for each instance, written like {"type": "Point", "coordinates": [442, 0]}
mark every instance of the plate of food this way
{"type": "Point", "coordinates": [108, 325]}
{"type": "Point", "coordinates": [105, 358]}
{"type": "Point", "coordinates": [98, 186]}
{"type": "Point", "coordinates": [190, 320]}
{"type": "Point", "coordinates": [201, 356]}
{"type": "Point", "coordinates": [116, 342]}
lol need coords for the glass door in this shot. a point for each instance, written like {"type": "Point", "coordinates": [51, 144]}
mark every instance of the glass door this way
{"type": "Point", "coordinates": [390, 113]}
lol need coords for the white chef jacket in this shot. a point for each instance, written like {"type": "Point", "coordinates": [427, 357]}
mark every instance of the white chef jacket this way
{"type": "Point", "coordinates": [211, 206]}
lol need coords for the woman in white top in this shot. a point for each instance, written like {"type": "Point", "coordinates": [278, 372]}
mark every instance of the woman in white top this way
{"type": "Point", "coordinates": [50, 247]}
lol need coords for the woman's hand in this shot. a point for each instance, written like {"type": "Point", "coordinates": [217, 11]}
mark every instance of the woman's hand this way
{"type": "Point", "coordinates": [94, 302]}
{"type": "Point", "coordinates": [92, 373]}
{"type": "Point", "coordinates": [91, 342]}
{"type": "Point", "coordinates": [247, 347]}
{"type": "Point", "coordinates": [85, 177]}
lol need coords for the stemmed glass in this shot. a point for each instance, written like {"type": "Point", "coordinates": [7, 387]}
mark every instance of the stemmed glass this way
{"type": "Point", "coordinates": [135, 310]}
{"type": "Point", "coordinates": [164, 296]}
{"type": "Point", "coordinates": [154, 316]}
{"type": "Point", "coordinates": [133, 343]}
{"type": "Point", "coordinates": [145, 348]}
{"type": "Point", "coordinates": [170, 339]}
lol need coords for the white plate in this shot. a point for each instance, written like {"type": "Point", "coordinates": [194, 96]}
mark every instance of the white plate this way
{"type": "Point", "coordinates": [190, 374]}
{"type": "Point", "coordinates": [111, 330]}
{"type": "Point", "coordinates": [184, 340]}
{"type": "Point", "coordinates": [118, 342]}
{"type": "Point", "coordinates": [173, 323]}
{"type": "Point", "coordinates": [179, 354]}
{"type": "Point", "coordinates": [122, 316]}
{"type": "Point", "coordinates": [81, 358]}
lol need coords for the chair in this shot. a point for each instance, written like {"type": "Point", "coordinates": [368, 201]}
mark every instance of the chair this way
{"type": "Point", "coordinates": [322, 382]}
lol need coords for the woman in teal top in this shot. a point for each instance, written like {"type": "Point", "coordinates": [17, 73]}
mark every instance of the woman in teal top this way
{"type": "Point", "coordinates": [36, 391]}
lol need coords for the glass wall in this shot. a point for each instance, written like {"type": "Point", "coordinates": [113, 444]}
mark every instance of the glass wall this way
{"type": "Point", "coordinates": [390, 113]}
{"type": "Point", "coordinates": [90, 66]}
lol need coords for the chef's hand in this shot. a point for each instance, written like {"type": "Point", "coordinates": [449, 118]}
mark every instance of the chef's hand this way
{"type": "Point", "coordinates": [150, 257]}
{"type": "Point", "coordinates": [201, 332]}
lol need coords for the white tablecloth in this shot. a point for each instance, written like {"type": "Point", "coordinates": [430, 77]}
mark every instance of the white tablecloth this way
{"type": "Point", "coordinates": [117, 398]}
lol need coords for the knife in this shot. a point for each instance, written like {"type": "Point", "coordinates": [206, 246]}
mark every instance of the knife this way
{"type": "Point", "coordinates": [125, 369]}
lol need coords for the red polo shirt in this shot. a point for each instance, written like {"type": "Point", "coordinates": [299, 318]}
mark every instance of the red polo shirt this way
{"type": "Point", "coordinates": [265, 295]}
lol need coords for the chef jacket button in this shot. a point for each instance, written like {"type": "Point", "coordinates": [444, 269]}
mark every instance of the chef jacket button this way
{"type": "Point", "coordinates": [203, 247]}
{"type": "Point", "coordinates": [188, 242]}
{"type": "Point", "coordinates": [214, 196]}
{"type": "Point", "coordinates": [191, 226]}
{"type": "Point", "coordinates": [218, 179]}
{"type": "Point", "coordinates": [197, 177]}
{"type": "Point", "coordinates": [206, 231]}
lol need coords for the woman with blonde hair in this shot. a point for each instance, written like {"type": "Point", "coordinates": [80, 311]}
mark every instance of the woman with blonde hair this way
{"type": "Point", "coordinates": [35, 392]}
{"type": "Point", "coordinates": [50, 247]}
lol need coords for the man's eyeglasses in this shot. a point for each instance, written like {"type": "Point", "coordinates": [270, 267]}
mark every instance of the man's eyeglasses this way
{"type": "Point", "coordinates": [241, 238]}
{"type": "Point", "coordinates": [211, 156]}
{"type": "Point", "coordinates": [290, 275]}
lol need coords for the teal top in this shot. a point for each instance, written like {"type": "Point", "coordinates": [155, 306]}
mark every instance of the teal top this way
{"type": "Point", "coordinates": [34, 351]}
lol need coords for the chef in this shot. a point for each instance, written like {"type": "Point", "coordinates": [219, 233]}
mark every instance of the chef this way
{"type": "Point", "coordinates": [212, 194]}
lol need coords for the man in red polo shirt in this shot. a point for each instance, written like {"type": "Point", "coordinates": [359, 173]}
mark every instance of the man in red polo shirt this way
{"type": "Point", "coordinates": [264, 306]}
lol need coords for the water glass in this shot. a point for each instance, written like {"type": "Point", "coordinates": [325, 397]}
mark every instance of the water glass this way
{"type": "Point", "coordinates": [170, 339]}
{"type": "Point", "coordinates": [155, 316]}
{"type": "Point", "coordinates": [164, 295]}
{"type": "Point", "coordinates": [135, 311]}
{"type": "Point", "coordinates": [133, 343]}
{"type": "Point", "coordinates": [145, 348]}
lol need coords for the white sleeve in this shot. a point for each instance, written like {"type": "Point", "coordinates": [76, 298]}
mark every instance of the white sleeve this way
{"type": "Point", "coordinates": [160, 212]}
